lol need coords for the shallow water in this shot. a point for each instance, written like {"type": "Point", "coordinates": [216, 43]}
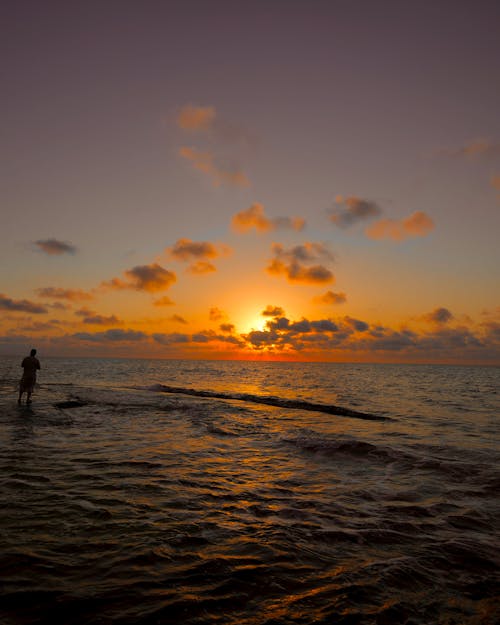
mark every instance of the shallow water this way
{"type": "Point", "coordinates": [145, 506]}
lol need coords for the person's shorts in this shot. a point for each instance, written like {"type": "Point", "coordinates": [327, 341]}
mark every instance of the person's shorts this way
{"type": "Point", "coordinates": [27, 385]}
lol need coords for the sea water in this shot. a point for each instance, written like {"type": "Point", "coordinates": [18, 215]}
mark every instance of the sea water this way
{"type": "Point", "coordinates": [206, 492]}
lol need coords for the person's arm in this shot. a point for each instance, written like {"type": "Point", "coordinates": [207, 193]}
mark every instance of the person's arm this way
{"type": "Point", "coordinates": [38, 364]}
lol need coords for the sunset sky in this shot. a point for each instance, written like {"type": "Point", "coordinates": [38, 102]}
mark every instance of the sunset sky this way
{"type": "Point", "coordinates": [279, 179]}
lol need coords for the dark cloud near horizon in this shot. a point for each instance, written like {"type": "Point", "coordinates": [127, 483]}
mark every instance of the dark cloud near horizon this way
{"type": "Point", "coordinates": [22, 305]}
{"type": "Point", "coordinates": [273, 311]}
{"type": "Point", "coordinates": [54, 247]}
{"type": "Point", "coordinates": [111, 335]}
{"type": "Point", "coordinates": [150, 278]}
{"type": "Point", "coordinates": [439, 315]}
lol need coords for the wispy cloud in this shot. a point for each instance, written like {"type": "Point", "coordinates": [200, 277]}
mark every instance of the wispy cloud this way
{"type": "Point", "coordinates": [330, 298]}
{"type": "Point", "coordinates": [254, 217]}
{"type": "Point", "coordinates": [150, 278]}
{"type": "Point", "coordinates": [216, 314]}
{"type": "Point", "coordinates": [20, 305]}
{"type": "Point", "coordinates": [206, 162]}
{"type": "Point", "coordinates": [419, 224]}
{"type": "Point", "coordinates": [72, 295]}
{"type": "Point", "coordinates": [196, 118]}
{"type": "Point", "coordinates": [163, 301]}
{"type": "Point", "coordinates": [295, 263]}
{"type": "Point", "coordinates": [475, 149]}
{"type": "Point", "coordinates": [352, 210]}
{"type": "Point", "coordinates": [177, 319]}
{"type": "Point", "coordinates": [54, 247]}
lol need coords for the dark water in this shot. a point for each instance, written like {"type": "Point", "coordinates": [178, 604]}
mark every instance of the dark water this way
{"type": "Point", "coordinates": [146, 501]}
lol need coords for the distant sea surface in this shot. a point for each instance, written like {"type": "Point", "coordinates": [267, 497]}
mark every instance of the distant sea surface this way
{"type": "Point", "coordinates": [250, 493]}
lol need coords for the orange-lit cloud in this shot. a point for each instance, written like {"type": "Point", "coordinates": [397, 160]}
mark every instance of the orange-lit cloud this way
{"type": "Point", "coordinates": [438, 315]}
{"type": "Point", "coordinates": [330, 298]}
{"type": "Point", "coordinates": [22, 305]}
{"type": "Point", "coordinates": [216, 314]}
{"type": "Point", "coordinates": [273, 311]}
{"type": "Point", "coordinates": [150, 278]}
{"type": "Point", "coordinates": [419, 224]}
{"type": "Point", "coordinates": [163, 301]}
{"type": "Point", "coordinates": [72, 295]}
{"type": "Point", "coordinates": [477, 148]}
{"type": "Point", "coordinates": [53, 247]}
{"type": "Point", "coordinates": [254, 217]}
{"type": "Point", "coordinates": [294, 263]}
{"type": "Point", "coordinates": [227, 327]}
{"type": "Point", "coordinates": [177, 319]}
{"type": "Point", "coordinates": [199, 251]}
{"type": "Point", "coordinates": [205, 162]}
{"type": "Point", "coordinates": [201, 267]}
{"type": "Point", "coordinates": [92, 318]}
{"type": "Point", "coordinates": [196, 118]}
{"type": "Point", "coordinates": [353, 210]}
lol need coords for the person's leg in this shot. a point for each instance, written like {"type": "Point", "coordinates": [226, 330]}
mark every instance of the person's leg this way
{"type": "Point", "coordinates": [28, 399]}
{"type": "Point", "coordinates": [20, 395]}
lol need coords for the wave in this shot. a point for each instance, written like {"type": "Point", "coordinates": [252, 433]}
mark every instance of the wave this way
{"type": "Point", "coordinates": [279, 402]}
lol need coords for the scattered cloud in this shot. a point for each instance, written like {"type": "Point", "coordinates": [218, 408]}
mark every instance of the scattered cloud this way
{"type": "Point", "coordinates": [475, 149]}
{"type": "Point", "coordinates": [216, 314]}
{"type": "Point", "coordinates": [495, 182]}
{"type": "Point", "coordinates": [419, 224]}
{"type": "Point", "coordinates": [150, 278]}
{"type": "Point", "coordinates": [196, 118]}
{"type": "Point", "coordinates": [294, 263]}
{"type": "Point", "coordinates": [163, 301]}
{"type": "Point", "coordinates": [273, 311]}
{"type": "Point", "coordinates": [254, 217]}
{"type": "Point", "coordinates": [53, 247]}
{"type": "Point", "coordinates": [353, 210]}
{"type": "Point", "coordinates": [177, 319]}
{"type": "Point", "coordinates": [20, 305]}
{"type": "Point", "coordinates": [227, 327]}
{"type": "Point", "coordinates": [206, 163]}
{"type": "Point", "coordinates": [111, 335]}
{"type": "Point", "coordinates": [438, 315]}
{"type": "Point", "coordinates": [92, 318]}
{"type": "Point", "coordinates": [72, 295]}
{"type": "Point", "coordinates": [199, 251]}
{"type": "Point", "coordinates": [330, 298]}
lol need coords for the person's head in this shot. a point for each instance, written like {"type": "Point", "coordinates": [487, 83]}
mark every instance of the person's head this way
{"type": "Point", "coordinates": [33, 352]}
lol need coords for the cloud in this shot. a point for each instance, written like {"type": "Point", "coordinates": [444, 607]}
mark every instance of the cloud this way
{"type": "Point", "coordinates": [20, 305]}
{"type": "Point", "coordinates": [92, 318]}
{"type": "Point", "coordinates": [196, 118]}
{"type": "Point", "coordinates": [150, 278]}
{"type": "Point", "coordinates": [171, 338]}
{"type": "Point", "coordinates": [216, 314]}
{"type": "Point", "coordinates": [112, 335]}
{"type": "Point", "coordinates": [294, 263]}
{"type": "Point", "coordinates": [356, 324]}
{"type": "Point", "coordinates": [475, 149]}
{"type": "Point", "coordinates": [72, 295]}
{"type": "Point", "coordinates": [273, 311]}
{"type": "Point", "coordinates": [163, 301]}
{"type": "Point", "coordinates": [53, 247]}
{"type": "Point", "coordinates": [227, 327]}
{"type": "Point", "coordinates": [186, 250]}
{"type": "Point", "coordinates": [354, 210]}
{"type": "Point", "coordinates": [254, 217]}
{"type": "Point", "coordinates": [438, 315]}
{"type": "Point", "coordinates": [330, 298]}
{"type": "Point", "coordinates": [419, 224]}
{"type": "Point", "coordinates": [205, 162]}
{"type": "Point", "coordinates": [199, 251]}
{"type": "Point", "coordinates": [177, 319]}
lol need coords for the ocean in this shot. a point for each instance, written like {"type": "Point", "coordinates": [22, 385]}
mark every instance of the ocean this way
{"type": "Point", "coordinates": [250, 493]}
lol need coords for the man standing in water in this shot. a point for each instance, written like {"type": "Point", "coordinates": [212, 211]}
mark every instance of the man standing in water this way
{"type": "Point", "coordinates": [30, 365]}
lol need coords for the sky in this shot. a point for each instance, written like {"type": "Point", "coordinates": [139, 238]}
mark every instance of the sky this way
{"type": "Point", "coordinates": [298, 180]}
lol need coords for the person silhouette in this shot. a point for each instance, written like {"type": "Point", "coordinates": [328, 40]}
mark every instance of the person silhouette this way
{"type": "Point", "coordinates": [27, 384]}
